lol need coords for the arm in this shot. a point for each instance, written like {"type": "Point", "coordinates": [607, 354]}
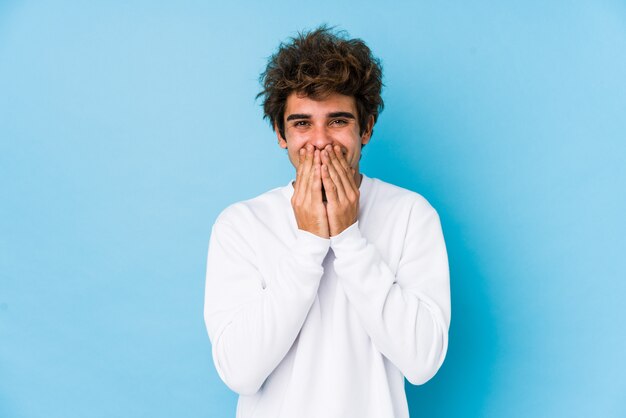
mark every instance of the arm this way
{"type": "Point", "coordinates": [252, 325]}
{"type": "Point", "coordinates": [407, 316]}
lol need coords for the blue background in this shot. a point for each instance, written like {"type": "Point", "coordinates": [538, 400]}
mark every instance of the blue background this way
{"type": "Point", "coordinates": [126, 127]}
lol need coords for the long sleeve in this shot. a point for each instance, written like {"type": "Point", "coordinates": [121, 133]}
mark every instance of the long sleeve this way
{"type": "Point", "coordinates": [407, 315]}
{"type": "Point", "coordinates": [254, 318]}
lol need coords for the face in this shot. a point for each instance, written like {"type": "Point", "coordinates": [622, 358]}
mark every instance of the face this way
{"type": "Point", "coordinates": [319, 123]}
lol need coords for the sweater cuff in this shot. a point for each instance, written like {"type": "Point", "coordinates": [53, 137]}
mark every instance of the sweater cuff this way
{"type": "Point", "coordinates": [349, 240]}
{"type": "Point", "coordinates": [310, 247]}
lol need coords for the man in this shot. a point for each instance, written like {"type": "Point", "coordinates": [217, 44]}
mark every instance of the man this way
{"type": "Point", "coordinates": [322, 295]}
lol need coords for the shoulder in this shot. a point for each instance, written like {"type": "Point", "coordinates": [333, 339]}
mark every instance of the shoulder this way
{"type": "Point", "coordinates": [246, 211]}
{"type": "Point", "coordinates": [394, 196]}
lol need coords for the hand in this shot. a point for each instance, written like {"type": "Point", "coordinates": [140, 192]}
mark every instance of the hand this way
{"type": "Point", "coordinates": [306, 201]}
{"type": "Point", "coordinates": [341, 190]}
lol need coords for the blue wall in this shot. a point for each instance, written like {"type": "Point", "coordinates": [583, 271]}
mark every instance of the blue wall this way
{"type": "Point", "coordinates": [126, 127]}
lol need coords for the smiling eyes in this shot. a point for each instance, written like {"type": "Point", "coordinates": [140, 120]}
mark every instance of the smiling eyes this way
{"type": "Point", "coordinates": [334, 122]}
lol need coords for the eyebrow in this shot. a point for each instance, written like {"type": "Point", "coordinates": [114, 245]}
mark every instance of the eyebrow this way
{"type": "Point", "coordinates": [330, 115]}
{"type": "Point", "coordinates": [341, 115]}
{"type": "Point", "coordinates": [298, 116]}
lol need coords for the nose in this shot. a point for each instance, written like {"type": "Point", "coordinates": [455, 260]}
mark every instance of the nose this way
{"type": "Point", "coordinates": [320, 137]}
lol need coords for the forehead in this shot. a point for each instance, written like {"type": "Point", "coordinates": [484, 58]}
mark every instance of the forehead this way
{"type": "Point", "coordinates": [334, 102]}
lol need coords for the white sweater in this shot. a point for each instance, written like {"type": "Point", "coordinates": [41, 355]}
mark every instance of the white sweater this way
{"type": "Point", "coordinates": [303, 326]}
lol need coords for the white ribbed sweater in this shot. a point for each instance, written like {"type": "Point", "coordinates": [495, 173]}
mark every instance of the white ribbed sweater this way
{"type": "Point", "coordinates": [303, 326]}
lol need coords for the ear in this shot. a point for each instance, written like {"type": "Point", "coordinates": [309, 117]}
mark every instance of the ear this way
{"type": "Point", "coordinates": [282, 142]}
{"type": "Point", "coordinates": [367, 132]}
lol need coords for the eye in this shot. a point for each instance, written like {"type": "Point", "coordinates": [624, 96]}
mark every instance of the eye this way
{"type": "Point", "coordinates": [301, 123]}
{"type": "Point", "coordinates": [339, 122]}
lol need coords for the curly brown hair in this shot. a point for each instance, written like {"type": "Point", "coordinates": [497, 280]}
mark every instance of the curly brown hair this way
{"type": "Point", "coordinates": [318, 63]}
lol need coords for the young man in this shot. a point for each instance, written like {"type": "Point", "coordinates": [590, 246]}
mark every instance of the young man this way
{"type": "Point", "coordinates": [323, 294]}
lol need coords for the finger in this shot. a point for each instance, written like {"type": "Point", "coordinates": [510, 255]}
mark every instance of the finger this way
{"type": "Point", "coordinates": [338, 175]}
{"type": "Point", "coordinates": [306, 172]}
{"type": "Point", "coordinates": [308, 159]}
{"type": "Point", "coordinates": [312, 176]}
{"type": "Point", "coordinates": [342, 167]}
{"type": "Point", "coordinates": [344, 163]}
{"type": "Point", "coordinates": [299, 169]}
{"type": "Point", "coordinates": [329, 186]}
{"type": "Point", "coordinates": [334, 175]}
{"type": "Point", "coordinates": [316, 184]}
{"type": "Point", "coordinates": [301, 157]}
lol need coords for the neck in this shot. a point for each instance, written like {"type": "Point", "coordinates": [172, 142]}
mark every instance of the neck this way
{"type": "Point", "coordinates": [358, 177]}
